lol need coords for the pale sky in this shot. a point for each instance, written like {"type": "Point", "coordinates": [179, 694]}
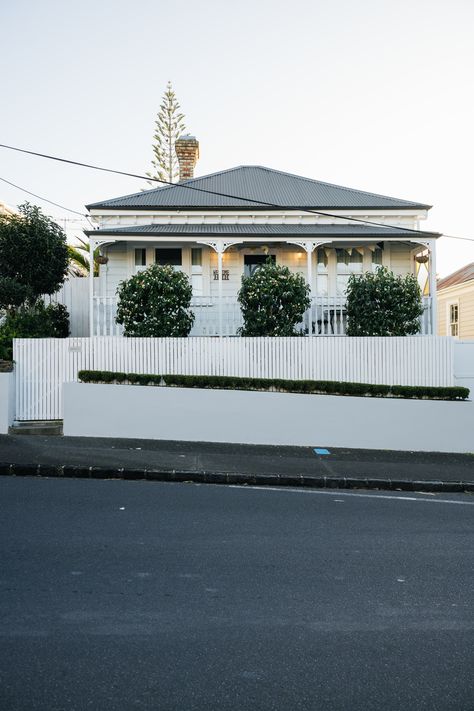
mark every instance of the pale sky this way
{"type": "Point", "coordinates": [375, 95]}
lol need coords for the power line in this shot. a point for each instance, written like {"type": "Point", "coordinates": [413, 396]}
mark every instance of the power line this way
{"type": "Point", "coordinates": [201, 190]}
{"type": "Point", "coordinates": [210, 192]}
{"type": "Point", "coordinates": [56, 204]}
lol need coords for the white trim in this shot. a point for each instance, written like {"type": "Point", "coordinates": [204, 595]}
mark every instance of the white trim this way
{"type": "Point", "coordinates": [257, 215]}
{"type": "Point", "coordinates": [92, 245]}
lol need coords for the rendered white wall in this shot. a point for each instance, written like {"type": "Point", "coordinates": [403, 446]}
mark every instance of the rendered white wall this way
{"type": "Point", "coordinates": [7, 401]}
{"type": "Point", "coordinates": [464, 365]}
{"type": "Point", "coordinates": [266, 418]}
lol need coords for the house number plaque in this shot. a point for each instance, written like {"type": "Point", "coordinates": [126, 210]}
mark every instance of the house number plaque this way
{"type": "Point", "coordinates": [225, 275]}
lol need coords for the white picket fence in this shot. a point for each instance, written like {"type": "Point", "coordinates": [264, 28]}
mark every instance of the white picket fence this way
{"type": "Point", "coordinates": [43, 365]}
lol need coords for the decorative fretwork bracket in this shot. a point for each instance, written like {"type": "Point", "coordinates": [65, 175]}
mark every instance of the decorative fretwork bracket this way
{"type": "Point", "coordinates": [308, 245]}
{"type": "Point", "coordinates": [220, 245]}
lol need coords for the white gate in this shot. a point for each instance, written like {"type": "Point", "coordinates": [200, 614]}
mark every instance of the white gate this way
{"type": "Point", "coordinates": [43, 365]}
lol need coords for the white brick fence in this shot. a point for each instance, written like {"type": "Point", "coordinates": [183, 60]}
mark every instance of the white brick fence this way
{"type": "Point", "coordinates": [43, 365]}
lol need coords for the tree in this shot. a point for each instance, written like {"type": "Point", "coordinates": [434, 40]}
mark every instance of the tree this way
{"type": "Point", "coordinates": [79, 259]}
{"type": "Point", "coordinates": [382, 304]}
{"type": "Point", "coordinates": [169, 126]}
{"type": "Point", "coordinates": [156, 302]}
{"type": "Point", "coordinates": [273, 301]}
{"type": "Point", "coordinates": [33, 257]}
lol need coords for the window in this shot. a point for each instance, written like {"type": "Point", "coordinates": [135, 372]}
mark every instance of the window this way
{"type": "Point", "coordinates": [321, 272]}
{"type": "Point", "coordinates": [252, 262]}
{"type": "Point", "coordinates": [168, 255]}
{"type": "Point", "coordinates": [454, 319]}
{"type": "Point", "coordinates": [377, 258]}
{"type": "Point", "coordinates": [349, 261]}
{"type": "Point", "coordinates": [140, 259]}
{"type": "Point", "coordinates": [196, 271]}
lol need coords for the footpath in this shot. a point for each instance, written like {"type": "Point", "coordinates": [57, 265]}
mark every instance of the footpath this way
{"type": "Point", "coordinates": [202, 462]}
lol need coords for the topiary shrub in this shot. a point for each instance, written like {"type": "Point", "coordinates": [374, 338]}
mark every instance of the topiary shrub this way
{"type": "Point", "coordinates": [273, 301]}
{"type": "Point", "coordinates": [382, 304]}
{"type": "Point", "coordinates": [39, 322]}
{"type": "Point", "coordinates": [156, 303]}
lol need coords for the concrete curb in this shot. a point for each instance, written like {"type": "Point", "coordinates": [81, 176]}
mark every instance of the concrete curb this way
{"type": "Point", "coordinates": [207, 477]}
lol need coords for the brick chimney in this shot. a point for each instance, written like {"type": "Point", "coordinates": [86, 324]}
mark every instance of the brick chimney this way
{"type": "Point", "coordinates": [187, 151]}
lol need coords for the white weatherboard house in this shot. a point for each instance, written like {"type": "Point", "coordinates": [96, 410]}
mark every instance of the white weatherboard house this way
{"type": "Point", "coordinates": [219, 227]}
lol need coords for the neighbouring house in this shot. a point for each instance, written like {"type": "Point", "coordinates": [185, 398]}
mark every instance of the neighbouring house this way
{"type": "Point", "coordinates": [6, 210]}
{"type": "Point", "coordinates": [455, 296]}
{"type": "Point", "coordinates": [219, 227]}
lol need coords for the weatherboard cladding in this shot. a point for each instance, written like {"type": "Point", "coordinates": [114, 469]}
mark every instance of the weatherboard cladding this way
{"type": "Point", "coordinates": [262, 230]}
{"type": "Point", "coordinates": [257, 185]}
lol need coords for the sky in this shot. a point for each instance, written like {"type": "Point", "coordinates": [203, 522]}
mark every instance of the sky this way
{"type": "Point", "coordinates": [376, 95]}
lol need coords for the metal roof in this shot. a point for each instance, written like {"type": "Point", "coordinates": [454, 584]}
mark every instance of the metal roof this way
{"type": "Point", "coordinates": [462, 275]}
{"type": "Point", "coordinates": [270, 230]}
{"type": "Point", "coordinates": [247, 187]}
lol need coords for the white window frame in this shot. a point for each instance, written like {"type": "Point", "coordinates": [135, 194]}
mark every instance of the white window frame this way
{"type": "Point", "coordinates": [139, 267]}
{"type": "Point", "coordinates": [449, 323]}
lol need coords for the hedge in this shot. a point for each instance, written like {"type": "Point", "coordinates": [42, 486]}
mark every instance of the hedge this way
{"type": "Point", "coordinates": [316, 387]}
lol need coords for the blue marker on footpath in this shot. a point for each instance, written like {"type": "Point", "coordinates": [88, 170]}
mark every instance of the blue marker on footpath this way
{"type": "Point", "coordinates": [318, 450]}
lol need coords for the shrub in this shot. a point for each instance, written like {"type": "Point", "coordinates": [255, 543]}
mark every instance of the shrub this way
{"type": "Point", "coordinates": [382, 304]}
{"type": "Point", "coordinates": [316, 387]}
{"type": "Point", "coordinates": [273, 301]}
{"type": "Point", "coordinates": [39, 322]}
{"type": "Point", "coordinates": [156, 302]}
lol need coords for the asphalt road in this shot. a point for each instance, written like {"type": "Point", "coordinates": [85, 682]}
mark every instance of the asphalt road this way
{"type": "Point", "coordinates": [139, 595]}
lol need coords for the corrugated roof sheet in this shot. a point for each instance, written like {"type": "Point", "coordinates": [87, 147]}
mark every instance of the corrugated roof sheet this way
{"type": "Point", "coordinates": [258, 185]}
{"type": "Point", "coordinates": [276, 230]}
{"type": "Point", "coordinates": [462, 275]}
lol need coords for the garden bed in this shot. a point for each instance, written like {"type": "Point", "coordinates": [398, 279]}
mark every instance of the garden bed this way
{"type": "Point", "coordinates": [308, 387]}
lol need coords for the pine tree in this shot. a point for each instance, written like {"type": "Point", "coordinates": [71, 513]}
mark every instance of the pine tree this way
{"type": "Point", "coordinates": [169, 126]}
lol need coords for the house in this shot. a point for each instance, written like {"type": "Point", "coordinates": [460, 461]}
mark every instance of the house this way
{"type": "Point", "coordinates": [221, 226]}
{"type": "Point", "coordinates": [455, 296]}
{"type": "Point", "coordinates": [5, 210]}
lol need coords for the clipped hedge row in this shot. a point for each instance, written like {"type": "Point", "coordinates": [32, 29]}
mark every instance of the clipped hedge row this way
{"type": "Point", "coordinates": [316, 387]}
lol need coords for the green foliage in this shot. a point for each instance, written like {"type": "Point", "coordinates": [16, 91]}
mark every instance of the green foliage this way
{"type": "Point", "coordinates": [273, 301]}
{"type": "Point", "coordinates": [41, 321]}
{"type": "Point", "coordinates": [169, 126]}
{"type": "Point", "coordinates": [382, 304]}
{"type": "Point", "coordinates": [33, 256]}
{"type": "Point", "coordinates": [12, 293]}
{"type": "Point", "coordinates": [79, 258]}
{"type": "Point", "coordinates": [155, 302]}
{"type": "Point", "coordinates": [315, 387]}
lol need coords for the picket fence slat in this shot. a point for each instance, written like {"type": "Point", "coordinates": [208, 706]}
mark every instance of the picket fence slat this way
{"type": "Point", "coordinates": [43, 365]}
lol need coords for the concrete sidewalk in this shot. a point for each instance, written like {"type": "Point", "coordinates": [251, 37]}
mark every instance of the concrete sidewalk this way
{"type": "Point", "coordinates": [22, 455]}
